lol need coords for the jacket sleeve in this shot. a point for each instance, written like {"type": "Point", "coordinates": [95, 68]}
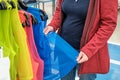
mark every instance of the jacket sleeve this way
{"type": "Point", "coordinates": [57, 17]}
{"type": "Point", "coordinates": [108, 21]}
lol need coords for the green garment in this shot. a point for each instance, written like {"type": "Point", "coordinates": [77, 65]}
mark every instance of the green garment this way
{"type": "Point", "coordinates": [13, 41]}
{"type": "Point", "coordinates": [10, 47]}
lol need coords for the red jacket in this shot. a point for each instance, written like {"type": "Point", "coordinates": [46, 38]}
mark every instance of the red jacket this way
{"type": "Point", "coordinates": [100, 23]}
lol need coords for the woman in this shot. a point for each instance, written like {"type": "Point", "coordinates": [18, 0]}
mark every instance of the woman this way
{"type": "Point", "coordinates": [86, 25]}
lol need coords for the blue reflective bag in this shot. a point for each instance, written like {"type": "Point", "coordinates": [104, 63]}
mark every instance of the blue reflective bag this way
{"type": "Point", "coordinates": [59, 57]}
{"type": "Point", "coordinates": [63, 57]}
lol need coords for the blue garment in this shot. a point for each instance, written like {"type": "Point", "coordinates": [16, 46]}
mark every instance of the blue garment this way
{"type": "Point", "coordinates": [74, 20]}
{"type": "Point", "coordinates": [40, 39]}
{"type": "Point", "coordinates": [38, 31]}
{"type": "Point", "coordinates": [59, 57]}
{"type": "Point", "coordinates": [63, 56]}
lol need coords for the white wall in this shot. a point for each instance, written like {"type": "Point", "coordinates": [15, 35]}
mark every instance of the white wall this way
{"type": "Point", "coordinates": [119, 2]}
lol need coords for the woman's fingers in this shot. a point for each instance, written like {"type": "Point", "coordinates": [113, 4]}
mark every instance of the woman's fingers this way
{"type": "Point", "coordinates": [47, 29]}
{"type": "Point", "coordinates": [79, 57]}
{"type": "Point", "coordinates": [82, 57]}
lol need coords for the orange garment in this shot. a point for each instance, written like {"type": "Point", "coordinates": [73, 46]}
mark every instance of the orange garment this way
{"type": "Point", "coordinates": [36, 62]}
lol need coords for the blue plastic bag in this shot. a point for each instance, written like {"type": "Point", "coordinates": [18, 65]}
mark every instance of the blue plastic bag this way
{"type": "Point", "coordinates": [58, 56]}
{"type": "Point", "coordinates": [63, 57]}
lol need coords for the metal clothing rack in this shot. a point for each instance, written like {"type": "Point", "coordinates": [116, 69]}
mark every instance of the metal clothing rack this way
{"type": "Point", "coordinates": [38, 2]}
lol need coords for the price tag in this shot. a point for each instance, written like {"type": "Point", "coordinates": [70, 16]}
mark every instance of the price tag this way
{"type": "Point", "coordinates": [1, 52]}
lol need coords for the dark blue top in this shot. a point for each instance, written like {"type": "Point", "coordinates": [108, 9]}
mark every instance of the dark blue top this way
{"type": "Point", "coordinates": [75, 15]}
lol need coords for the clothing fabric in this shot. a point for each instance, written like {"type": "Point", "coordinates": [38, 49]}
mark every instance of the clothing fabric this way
{"type": "Point", "coordinates": [100, 23]}
{"type": "Point", "coordinates": [36, 61]}
{"type": "Point", "coordinates": [22, 59]}
{"type": "Point", "coordinates": [38, 33]}
{"type": "Point", "coordinates": [50, 52]}
{"type": "Point", "coordinates": [74, 20]}
{"type": "Point", "coordinates": [61, 56]}
{"type": "Point", "coordinates": [40, 39]}
{"type": "Point", "coordinates": [7, 41]}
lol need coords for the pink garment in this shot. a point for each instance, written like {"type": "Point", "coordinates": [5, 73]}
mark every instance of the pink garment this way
{"type": "Point", "coordinates": [37, 62]}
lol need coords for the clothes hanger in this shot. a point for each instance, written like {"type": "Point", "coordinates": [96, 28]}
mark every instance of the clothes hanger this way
{"type": "Point", "coordinates": [34, 20]}
{"type": "Point", "coordinates": [26, 23]}
{"type": "Point", "coordinates": [0, 7]}
{"type": "Point", "coordinates": [3, 5]}
{"type": "Point", "coordinates": [12, 3]}
{"type": "Point", "coordinates": [27, 20]}
{"type": "Point", "coordinates": [43, 15]}
{"type": "Point", "coordinates": [21, 5]}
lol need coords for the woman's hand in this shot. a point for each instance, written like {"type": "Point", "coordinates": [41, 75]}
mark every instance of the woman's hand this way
{"type": "Point", "coordinates": [47, 29]}
{"type": "Point", "coordinates": [82, 57]}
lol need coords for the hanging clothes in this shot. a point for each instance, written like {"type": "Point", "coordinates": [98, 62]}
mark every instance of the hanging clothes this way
{"type": "Point", "coordinates": [39, 14]}
{"type": "Point", "coordinates": [6, 37]}
{"type": "Point", "coordinates": [26, 20]}
{"type": "Point", "coordinates": [40, 41]}
{"type": "Point", "coordinates": [38, 31]}
{"type": "Point", "coordinates": [23, 61]}
{"type": "Point", "coordinates": [59, 60]}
